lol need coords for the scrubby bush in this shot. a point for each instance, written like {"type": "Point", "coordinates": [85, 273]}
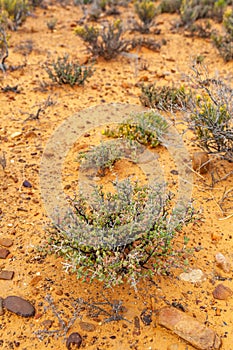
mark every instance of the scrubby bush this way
{"type": "Point", "coordinates": [170, 6]}
{"type": "Point", "coordinates": [164, 98]}
{"type": "Point", "coordinates": [128, 231]}
{"type": "Point", "coordinates": [63, 71]}
{"type": "Point", "coordinates": [191, 10]}
{"type": "Point", "coordinates": [15, 11]}
{"type": "Point", "coordinates": [106, 42]}
{"type": "Point", "coordinates": [211, 114]}
{"type": "Point", "coordinates": [224, 42]}
{"type": "Point", "coordinates": [146, 11]}
{"type": "Point", "coordinates": [146, 128]}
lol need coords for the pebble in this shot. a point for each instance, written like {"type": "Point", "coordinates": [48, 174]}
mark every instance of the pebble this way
{"type": "Point", "coordinates": [222, 292]}
{"type": "Point", "coordinates": [194, 276]}
{"type": "Point", "coordinates": [27, 184]}
{"type": "Point", "coordinates": [6, 275]}
{"type": "Point", "coordinates": [6, 242]}
{"type": "Point", "coordinates": [189, 329]}
{"type": "Point", "coordinates": [88, 327]}
{"type": "Point", "coordinates": [19, 306]}
{"type": "Point", "coordinates": [3, 253]}
{"type": "Point", "coordinates": [222, 262]}
{"type": "Point", "coordinates": [146, 317]}
{"type": "Point", "coordinates": [16, 134]}
{"type": "Point", "coordinates": [73, 339]}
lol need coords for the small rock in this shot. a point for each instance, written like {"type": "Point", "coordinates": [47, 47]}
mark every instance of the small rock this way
{"type": "Point", "coordinates": [3, 253]}
{"type": "Point", "coordinates": [222, 262]}
{"type": "Point", "coordinates": [88, 327]}
{"type": "Point", "coordinates": [16, 134]}
{"type": "Point", "coordinates": [74, 339]}
{"type": "Point", "coordinates": [194, 276]}
{"type": "Point", "coordinates": [1, 307]}
{"type": "Point", "coordinates": [46, 324]}
{"type": "Point", "coordinates": [19, 306]}
{"type": "Point", "coordinates": [222, 292]}
{"type": "Point", "coordinates": [6, 275]}
{"type": "Point", "coordinates": [146, 316]}
{"type": "Point", "coordinates": [201, 162]}
{"type": "Point", "coordinates": [27, 184]}
{"type": "Point", "coordinates": [6, 242]}
{"type": "Point", "coordinates": [189, 329]}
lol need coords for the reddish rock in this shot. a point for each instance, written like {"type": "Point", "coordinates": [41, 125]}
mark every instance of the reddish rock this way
{"type": "Point", "coordinates": [6, 275]}
{"type": "Point", "coordinates": [6, 242]}
{"type": "Point", "coordinates": [3, 253]}
{"type": "Point", "coordinates": [222, 292]}
{"type": "Point", "coordinates": [19, 306]}
{"type": "Point", "coordinates": [74, 339]}
{"type": "Point", "coordinates": [189, 329]}
{"type": "Point", "coordinates": [86, 326]}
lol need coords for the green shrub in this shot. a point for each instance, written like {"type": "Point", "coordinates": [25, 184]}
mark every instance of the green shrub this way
{"type": "Point", "coordinates": [15, 10]}
{"type": "Point", "coordinates": [170, 6]}
{"type": "Point", "coordinates": [228, 21]}
{"type": "Point", "coordinates": [146, 128]}
{"type": "Point", "coordinates": [106, 42]}
{"type": "Point", "coordinates": [224, 45]}
{"type": "Point", "coordinates": [63, 71]}
{"type": "Point", "coordinates": [164, 98]}
{"type": "Point", "coordinates": [132, 223]}
{"type": "Point", "coordinates": [211, 115]}
{"type": "Point", "coordinates": [191, 10]}
{"type": "Point", "coordinates": [146, 11]}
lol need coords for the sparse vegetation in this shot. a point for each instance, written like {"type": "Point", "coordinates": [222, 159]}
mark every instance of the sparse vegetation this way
{"type": "Point", "coordinates": [63, 71]}
{"type": "Point", "coordinates": [211, 111]}
{"type": "Point", "coordinates": [164, 98]}
{"type": "Point", "coordinates": [129, 233]}
{"type": "Point", "coordinates": [146, 11]}
{"type": "Point", "coordinates": [106, 42]}
{"type": "Point", "coordinates": [146, 128]}
{"type": "Point", "coordinates": [14, 12]}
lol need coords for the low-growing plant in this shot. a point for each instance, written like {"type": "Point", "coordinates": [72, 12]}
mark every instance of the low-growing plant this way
{"type": "Point", "coordinates": [170, 6]}
{"type": "Point", "coordinates": [3, 48]}
{"type": "Point", "coordinates": [191, 10]}
{"type": "Point", "coordinates": [132, 223]}
{"type": "Point", "coordinates": [146, 128]}
{"type": "Point", "coordinates": [63, 71]}
{"type": "Point", "coordinates": [211, 114]}
{"type": "Point", "coordinates": [164, 98]}
{"type": "Point", "coordinates": [224, 45]}
{"type": "Point", "coordinates": [16, 11]}
{"type": "Point", "coordinates": [51, 24]}
{"type": "Point", "coordinates": [101, 157]}
{"type": "Point", "coordinates": [146, 11]}
{"type": "Point", "coordinates": [224, 42]}
{"type": "Point", "coordinates": [106, 42]}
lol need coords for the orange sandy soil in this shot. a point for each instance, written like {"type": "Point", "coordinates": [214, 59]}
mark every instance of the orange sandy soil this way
{"type": "Point", "coordinates": [23, 217]}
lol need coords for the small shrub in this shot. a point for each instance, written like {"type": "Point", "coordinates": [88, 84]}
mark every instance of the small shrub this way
{"type": "Point", "coordinates": [164, 98]}
{"type": "Point", "coordinates": [228, 21]}
{"type": "Point", "coordinates": [101, 157]}
{"type": "Point", "coordinates": [146, 128]}
{"type": "Point", "coordinates": [170, 6]}
{"type": "Point", "coordinates": [146, 11]}
{"type": "Point", "coordinates": [132, 224]}
{"type": "Point", "coordinates": [15, 10]}
{"type": "Point", "coordinates": [3, 48]}
{"type": "Point", "coordinates": [51, 24]}
{"type": "Point", "coordinates": [191, 10]}
{"type": "Point", "coordinates": [106, 42]}
{"type": "Point", "coordinates": [211, 115]}
{"type": "Point", "coordinates": [224, 45]}
{"type": "Point", "coordinates": [64, 71]}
